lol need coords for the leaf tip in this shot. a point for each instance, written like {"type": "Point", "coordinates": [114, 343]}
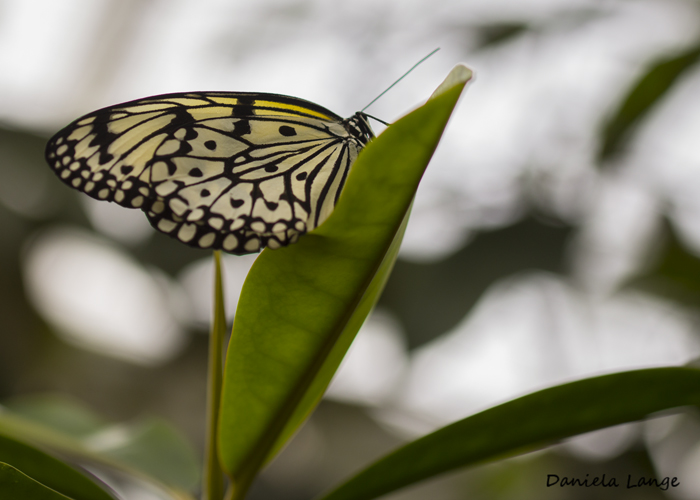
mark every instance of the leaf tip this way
{"type": "Point", "coordinates": [459, 75]}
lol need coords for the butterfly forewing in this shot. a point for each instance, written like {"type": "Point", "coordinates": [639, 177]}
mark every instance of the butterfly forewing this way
{"type": "Point", "coordinates": [231, 171]}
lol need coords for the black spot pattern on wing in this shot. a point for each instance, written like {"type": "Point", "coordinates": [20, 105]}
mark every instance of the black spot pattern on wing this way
{"type": "Point", "coordinates": [223, 170]}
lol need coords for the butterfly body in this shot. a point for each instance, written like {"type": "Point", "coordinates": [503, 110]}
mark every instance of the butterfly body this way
{"type": "Point", "coordinates": [224, 170]}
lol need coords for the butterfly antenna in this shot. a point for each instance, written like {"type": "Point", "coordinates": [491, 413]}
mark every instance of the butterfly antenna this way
{"type": "Point", "coordinates": [401, 78]}
{"type": "Point", "coordinates": [375, 118]}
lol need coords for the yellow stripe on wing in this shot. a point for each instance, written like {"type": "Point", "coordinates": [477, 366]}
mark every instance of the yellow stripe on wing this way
{"type": "Point", "coordinates": [278, 108]}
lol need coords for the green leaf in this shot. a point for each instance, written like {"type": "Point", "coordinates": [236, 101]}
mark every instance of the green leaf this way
{"type": "Point", "coordinates": [16, 484]}
{"type": "Point", "coordinates": [148, 446]}
{"type": "Point", "coordinates": [302, 305]}
{"type": "Point", "coordinates": [48, 471]}
{"type": "Point", "coordinates": [58, 412]}
{"type": "Point", "coordinates": [153, 447]}
{"type": "Point", "coordinates": [643, 96]}
{"type": "Point", "coordinates": [526, 424]}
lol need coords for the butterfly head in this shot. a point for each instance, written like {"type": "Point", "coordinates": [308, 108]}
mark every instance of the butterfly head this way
{"type": "Point", "coordinates": [358, 127]}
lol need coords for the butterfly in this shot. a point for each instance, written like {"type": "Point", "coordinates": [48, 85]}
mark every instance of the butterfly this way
{"type": "Point", "coordinates": [231, 171]}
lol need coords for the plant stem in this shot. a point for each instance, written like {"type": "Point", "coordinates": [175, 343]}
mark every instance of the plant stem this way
{"type": "Point", "coordinates": [213, 478]}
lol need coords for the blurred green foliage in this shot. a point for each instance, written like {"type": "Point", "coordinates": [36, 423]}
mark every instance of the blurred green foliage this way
{"type": "Point", "coordinates": [673, 271]}
{"type": "Point", "coordinates": [431, 298]}
{"type": "Point", "coordinates": [644, 95]}
{"type": "Point", "coordinates": [148, 444]}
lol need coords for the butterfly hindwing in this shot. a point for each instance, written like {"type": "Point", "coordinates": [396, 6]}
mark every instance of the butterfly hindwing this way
{"type": "Point", "coordinates": [231, 171]}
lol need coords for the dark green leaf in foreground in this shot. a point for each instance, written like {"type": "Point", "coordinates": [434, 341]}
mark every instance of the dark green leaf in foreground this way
{"type": "Point", "coordinates": [15, 484]}
{"type": "Point", "coordinates": [526, 424]}
{"type": "Point", "coordinates": [302, 305]}
{"type": "Point", "coordinates": [47, 470]}
{"type": "Point", "coordinates": [646, 93]}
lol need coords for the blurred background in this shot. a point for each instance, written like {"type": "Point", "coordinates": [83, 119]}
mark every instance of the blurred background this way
{"type": "Point", "coordinates": [555, 236]}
